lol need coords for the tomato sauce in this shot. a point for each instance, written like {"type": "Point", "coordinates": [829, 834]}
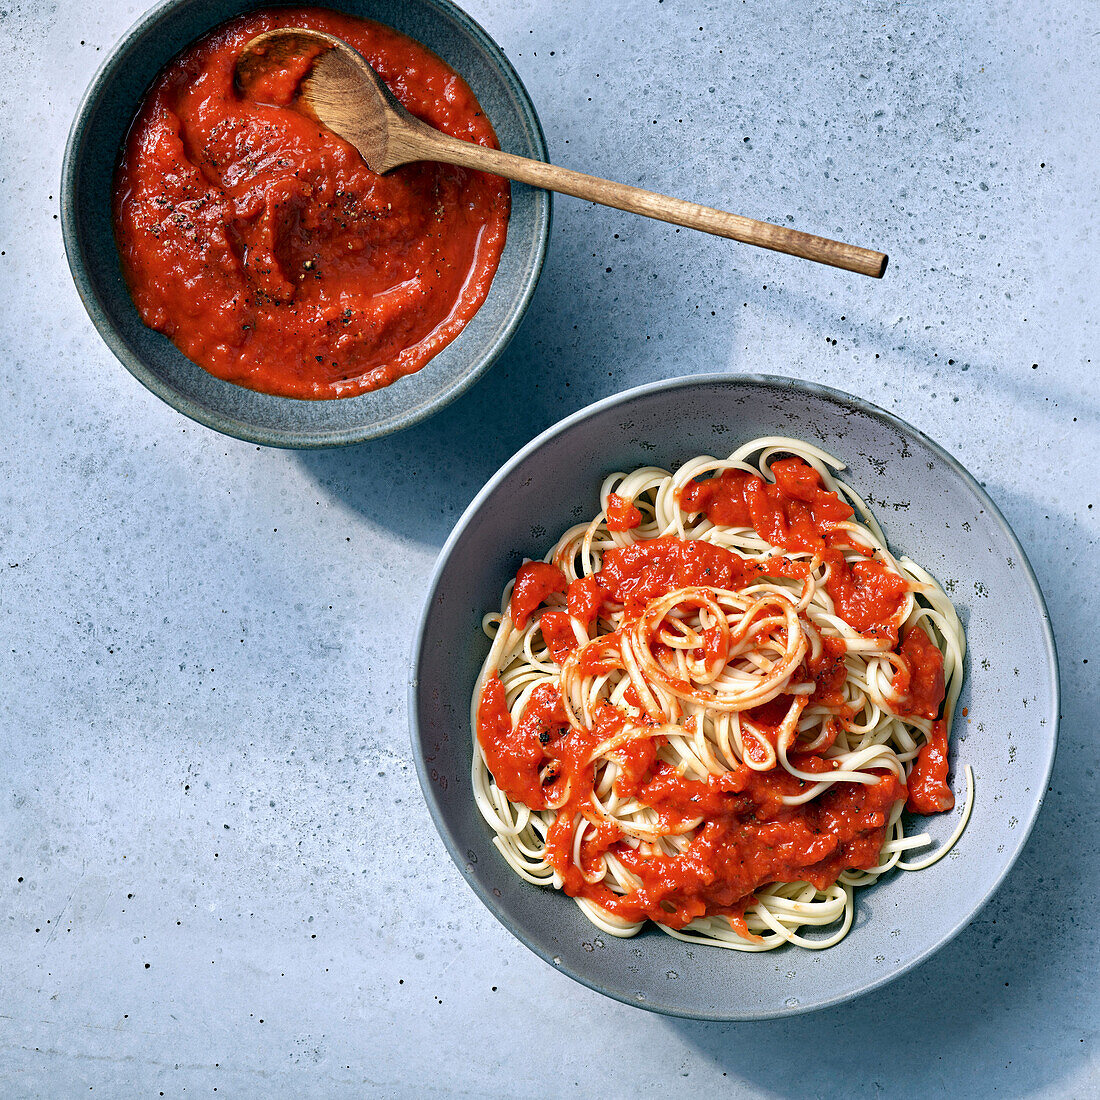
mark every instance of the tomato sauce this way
{"type": "Point", "coordinates": [584, 599]}
{"type": "Point", "coordinates": [534, 582]}
{"type": "Point", "coordinates": [747, 841]}
{"type": "Point", "coordinates": [268, 252]}
{"type": "Point", "coordinates": [791, 513]}
{"type": "Point", "coordinates": [828, 672]}
{"type": "Point", "coordinates": [634, 575]}
{"type": "Point", "coordinates": [519, 754]}
{"type": "Point", "coordinates": [799, 514]}
{"type": "Point", "coordinates": [928, 789]}
{"type": "Point", "coordinates": [621, 514]}
{"type": "Point", "coordinates": [919, 683]}
{"type": "Point", "coordinates": [557, 632]}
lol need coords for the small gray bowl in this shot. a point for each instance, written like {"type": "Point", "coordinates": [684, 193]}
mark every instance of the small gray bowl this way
{"type": "Point", "coordinates": [92, 152]}
{"type": "Point", "coordinates": [930, 508]}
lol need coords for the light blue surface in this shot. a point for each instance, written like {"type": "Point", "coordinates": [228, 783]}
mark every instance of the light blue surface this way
{"type": "Point", "coordinates": [203, 645]}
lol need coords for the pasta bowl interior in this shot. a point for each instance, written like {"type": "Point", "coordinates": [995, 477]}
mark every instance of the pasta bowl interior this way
{"type": "Point", "coordinates": [643, 728]}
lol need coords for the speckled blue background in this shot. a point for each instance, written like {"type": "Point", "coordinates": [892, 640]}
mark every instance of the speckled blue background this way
{"type": "Point", "coordinates": [217, 871]}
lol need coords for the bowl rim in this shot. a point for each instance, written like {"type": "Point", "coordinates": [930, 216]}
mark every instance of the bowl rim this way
{"type": "Point", "coordinates": [299, 439]}
{"type": "Point", "coordinates": [777, 383]}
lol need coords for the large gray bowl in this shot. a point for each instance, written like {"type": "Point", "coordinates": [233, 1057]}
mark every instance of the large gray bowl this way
{"type": "Point", "coordinates": [92, 152]}
{"type": "Point", "coordinates": [930, 508]}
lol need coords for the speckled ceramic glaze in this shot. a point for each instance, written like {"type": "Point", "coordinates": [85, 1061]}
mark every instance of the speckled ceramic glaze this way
{"type": "Point", "coordinates": [90, 158]}
{"type": "Point", "coordinates": [930, 509]}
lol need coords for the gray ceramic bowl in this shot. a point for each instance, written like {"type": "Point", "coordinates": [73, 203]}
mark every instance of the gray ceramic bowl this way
{"type": "Point", "coordinates": [930, 508]}
{"type": "Point", "coordinates": [92, 152]}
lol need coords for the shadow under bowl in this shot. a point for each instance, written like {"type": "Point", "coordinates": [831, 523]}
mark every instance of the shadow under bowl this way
{"type": "Point", "coordinates": [92, 153]}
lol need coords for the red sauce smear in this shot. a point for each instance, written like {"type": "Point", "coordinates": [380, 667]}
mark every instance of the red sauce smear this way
{"type": "Point", "coordinates": [541, 755]}
{"type": "Point", "coordinates": [621, 514]}
{"type": "Point", "coordinates": [928, 789]}
{"type": "Point", "coordinates": [584, 599]}
{"type": "Point", "coordinates": [534, 582]}
{"type": "Point", "coordinates": [749, 839]}
{"type": "Point", "coordinates": [744, 835]}
{"type": "Point", "coordinates": [557, 632]}
{"type": "Point", "coordinates": [798, 513]}
{"type": "Point", "coordinates": [269, 253]}
{"type": "Point", "coordinates": [919, 682]}
{"type": "Point", "coordinates": [634, 575]}
{"type": "Point", "coordinates": [828, 672]}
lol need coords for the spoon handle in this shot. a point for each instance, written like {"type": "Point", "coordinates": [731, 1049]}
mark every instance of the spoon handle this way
{"type": "Point", "coordinates": [636, 200]}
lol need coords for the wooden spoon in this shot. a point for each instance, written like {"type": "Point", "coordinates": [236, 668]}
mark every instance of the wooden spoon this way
{"type": "Point", "coordinates": [342, 92]}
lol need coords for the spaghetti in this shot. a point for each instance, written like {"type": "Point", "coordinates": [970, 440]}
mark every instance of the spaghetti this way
{"type": "Point", "coordinates": [710, 705]}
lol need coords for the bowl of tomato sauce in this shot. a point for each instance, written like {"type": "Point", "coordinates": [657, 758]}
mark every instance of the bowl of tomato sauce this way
{"type": "Point", "coordinates": [245, 265]}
